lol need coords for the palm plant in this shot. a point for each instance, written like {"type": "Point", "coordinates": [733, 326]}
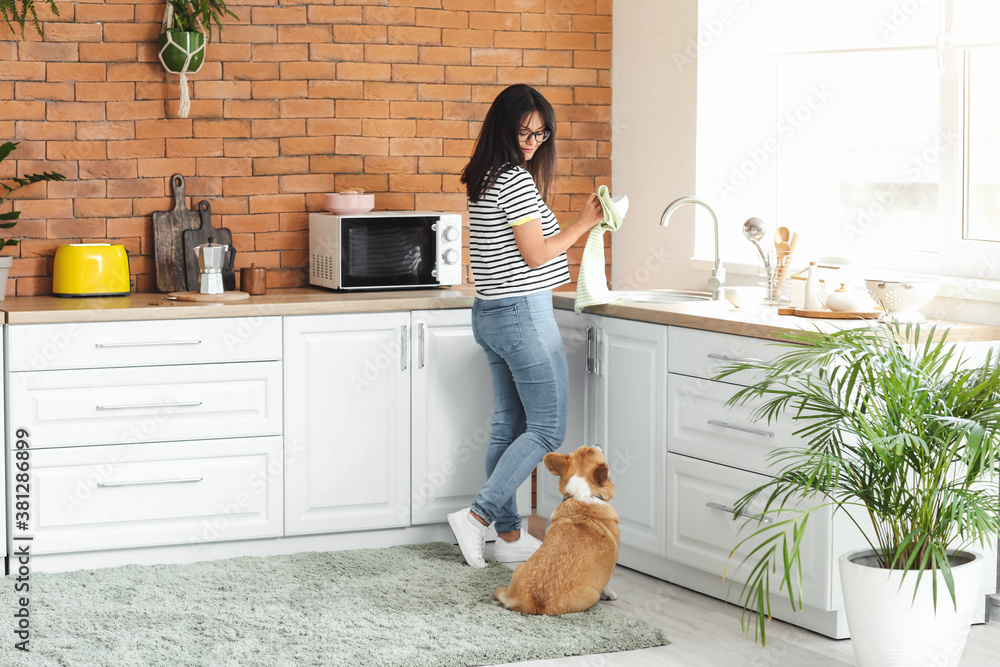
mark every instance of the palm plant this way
{"type": "Point", "coordinates": [18, 11]}
{"type": "Point", "coordinates": [9, 219]}
{"type": "Point", "coordinates": [897, 423]}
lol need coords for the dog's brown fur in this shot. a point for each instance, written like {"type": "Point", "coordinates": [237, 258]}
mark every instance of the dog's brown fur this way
{"type": "Point", "coordinates": [573, 566]}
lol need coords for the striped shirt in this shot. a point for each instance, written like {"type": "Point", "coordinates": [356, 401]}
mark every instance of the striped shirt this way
{"type": "Point", "coordinates": [498, 268]}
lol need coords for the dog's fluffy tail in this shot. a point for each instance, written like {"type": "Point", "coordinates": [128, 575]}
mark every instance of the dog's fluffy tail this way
{"type": "Point", "coordinates": [501, 594]}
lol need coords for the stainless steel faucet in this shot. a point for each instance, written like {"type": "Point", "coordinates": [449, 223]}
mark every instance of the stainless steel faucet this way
{"type": "Point", "coordinates": [717, 283]}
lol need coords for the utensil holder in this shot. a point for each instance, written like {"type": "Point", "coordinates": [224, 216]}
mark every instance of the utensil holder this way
{"type": "Point", "coordinates": [775, 278]}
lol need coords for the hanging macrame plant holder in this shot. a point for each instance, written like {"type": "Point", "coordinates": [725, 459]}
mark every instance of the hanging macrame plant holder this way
{"type": "Point", "coordinates": [181, 52]}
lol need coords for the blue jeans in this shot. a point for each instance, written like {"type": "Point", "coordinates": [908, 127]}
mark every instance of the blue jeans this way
{"type": "Point", "coordinates": [530, 388]}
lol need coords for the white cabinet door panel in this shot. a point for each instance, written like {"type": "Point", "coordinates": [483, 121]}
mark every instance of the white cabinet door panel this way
{"type": "Point", "coordinates": [452, 416]}
{"type": "Point", "coordinates": [147, 404]}
{"type": "Point", "coordinates": [632, 426]}
{"type": "Point", "coordinates": [703, 426]}
{"type": "Point", "coordinates": [108, 497]}
{"type": "Point", "coordinates": [705, 353]}
{"type": "Point", "coordinates": [347, 426]}
{"type": "Point", "coordinates": [44, 347]}
{"type": "Point", "coordinates": [702, 533]}
{"type": "Point", "coordinates": [577, 333]}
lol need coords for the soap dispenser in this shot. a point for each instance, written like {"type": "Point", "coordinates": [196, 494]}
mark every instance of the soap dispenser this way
{"type": "Point", "coordinates": [811, 300]}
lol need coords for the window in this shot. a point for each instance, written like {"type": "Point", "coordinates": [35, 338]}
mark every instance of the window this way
{"type": "Point", "coordinates": [870, 127]}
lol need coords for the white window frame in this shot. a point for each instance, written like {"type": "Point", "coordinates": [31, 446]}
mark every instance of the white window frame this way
{"type": "Point", "coordinates": [970, 268]}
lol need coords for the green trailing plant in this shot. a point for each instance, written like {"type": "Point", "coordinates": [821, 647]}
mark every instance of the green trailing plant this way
{"type": "Point", "coordinates": [186, 13]}
{"type": "Point", "coordinates": [899, 425]}
{"type": "Point", "coordinates": [9, 219]}
{"type": "Point", "coordinates": [20, 11]}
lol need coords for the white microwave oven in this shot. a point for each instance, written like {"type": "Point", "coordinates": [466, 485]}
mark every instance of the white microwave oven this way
{"type": "Point", "coordinates": [385, 250]}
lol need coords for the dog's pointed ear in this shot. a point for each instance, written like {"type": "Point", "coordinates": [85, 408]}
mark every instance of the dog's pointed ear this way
{"type": "Point", "coordinates": [556, 463]}
{"type": "Point", "coordinates": [601, 474]}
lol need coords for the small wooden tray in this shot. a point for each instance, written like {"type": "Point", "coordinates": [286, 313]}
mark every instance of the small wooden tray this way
{"type": "Point", "coordinates": [198, 296]}
{"type": "Point", "coordinates": [831, 315]}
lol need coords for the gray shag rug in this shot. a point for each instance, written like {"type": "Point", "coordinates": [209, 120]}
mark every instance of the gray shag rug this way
{"type": "Point", "coordinates": [405, 606]}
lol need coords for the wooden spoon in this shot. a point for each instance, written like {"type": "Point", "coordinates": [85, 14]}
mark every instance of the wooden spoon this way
{"type": "Point", "coordinates": [783, 234]}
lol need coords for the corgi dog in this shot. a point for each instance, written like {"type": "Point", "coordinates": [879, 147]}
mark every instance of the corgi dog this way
{"type": "Point", "coordinates": [571, 569]}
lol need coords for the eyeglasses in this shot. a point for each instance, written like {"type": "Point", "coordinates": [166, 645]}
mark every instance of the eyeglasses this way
{"type": "Point", "coordinates": [524, 136]}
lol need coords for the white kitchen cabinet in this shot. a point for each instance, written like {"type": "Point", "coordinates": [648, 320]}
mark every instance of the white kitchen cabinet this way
{"type": "Point", "coordinates": [620, 393]}
{"type": "Point", "coordinates": [3, 429]}
{"type": "Point", "coordinates": [147, 433]}
{"type": "Point", "coordinates": [577, 333]}
{"type": "Point", "coordinates": [98, 406]}
{"type": "Point", "coordinates": [702, 533]}
{"type": "Point", "coordinates": [451, 416]}
{"type": "Point", "coordinates": [714, 446]}
{"type": "Point", "coordinates": [106, 497]}
{"type": "Point", "coordinates": [632, 427]}
{"type": "Point", "coordinates": [347, 422]}
{"type": "Point", "coordinates": [45, 347]}
{"type": "Point", "coordinates": [403, 401]}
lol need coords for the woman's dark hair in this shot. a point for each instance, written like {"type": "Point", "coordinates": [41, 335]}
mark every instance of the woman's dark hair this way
{"type": "Point", "coordinates": [497, 148]}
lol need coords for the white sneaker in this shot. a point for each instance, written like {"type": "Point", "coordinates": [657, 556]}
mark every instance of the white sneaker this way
{"type": "Point", "coordinates": [517, 551]}
{"type": "Point", "coordinates": [471, 536]}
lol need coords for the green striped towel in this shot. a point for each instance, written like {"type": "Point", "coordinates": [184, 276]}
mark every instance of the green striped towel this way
{"type": "Point", "coordinates": [592, 283]}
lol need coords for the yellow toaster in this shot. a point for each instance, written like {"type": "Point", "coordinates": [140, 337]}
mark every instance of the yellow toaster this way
{"type": "Point", "coordinates": [91, 269]}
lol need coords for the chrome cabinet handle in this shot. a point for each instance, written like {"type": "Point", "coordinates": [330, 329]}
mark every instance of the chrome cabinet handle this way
{"type": "Point", "coordinates": [403, 344]}
{"type": "Point", "coordinates": [178, 480]}
{"type": "Point", "coordinates": [598, 348]}
{"type": "Point", "coordinates": [149, 343]}
{"type": "Point", "coordinates": [744, 429]}
{"type": "Point", "coordinates": [420, 344]}
{"type": "Point", "coordinates": [590, 349]}
{"type": "Point", "coordinates": [179, 404]}
{"type": "Point", "coordinates": [757, 517]}
{"type": "Point", "coordinates": [726, 357]}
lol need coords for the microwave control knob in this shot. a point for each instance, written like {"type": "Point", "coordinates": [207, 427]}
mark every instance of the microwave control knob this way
{"type": "Point", "coordinates": [451, 234]}
{"type": "Point", "coordinates": [450, 256]}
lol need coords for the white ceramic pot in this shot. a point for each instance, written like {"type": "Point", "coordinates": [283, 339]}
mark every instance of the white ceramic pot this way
{"type": "Point", "coordinates": [891, 628]}
{"type": "Point", "coordinates": [5, 264]}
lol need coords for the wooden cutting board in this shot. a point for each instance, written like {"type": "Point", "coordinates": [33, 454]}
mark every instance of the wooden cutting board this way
{"type": "Point", "coordinates": [168, 240]}
{"type": "Point", "coordinates": [198, 296]}
{"type": "Point", "coordinates": [831, 315]}
{"type": "Point", "coordinates": [192, 238]}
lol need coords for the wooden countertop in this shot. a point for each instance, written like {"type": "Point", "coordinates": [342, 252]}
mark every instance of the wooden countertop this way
{"type": "Point", "coordinates": [296, 301]}
{"type": "Point", "coordinates": [705, 315]}
{"type": "Point", "coordinates": [762, 322]}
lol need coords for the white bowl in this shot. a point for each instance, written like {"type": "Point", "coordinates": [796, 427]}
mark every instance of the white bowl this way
{"type": "Point", "coordinates": [621, 204]}
{"type": "Point", "coordinates": [902, 299]}
{"type": "Point", "coordinates": [745, 296]}
{"type": "Point", "coordinates": [348, 203]}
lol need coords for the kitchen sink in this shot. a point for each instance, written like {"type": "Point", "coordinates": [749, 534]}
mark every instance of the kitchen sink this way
{"type": "Point", "coordinates": [661, 296]}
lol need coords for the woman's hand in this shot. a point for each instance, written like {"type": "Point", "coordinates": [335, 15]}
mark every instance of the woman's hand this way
{"type": "Point", "coordinates": [592, 213]}
{"type": "Point", "coordinates": [537, 249]}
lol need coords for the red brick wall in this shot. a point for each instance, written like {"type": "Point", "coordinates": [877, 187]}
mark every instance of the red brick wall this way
{"type": "Point", "coordinates": [293, 101]}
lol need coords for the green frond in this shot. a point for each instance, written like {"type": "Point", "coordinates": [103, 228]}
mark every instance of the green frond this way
{"type": "Point", "coordinates": [895, 420]}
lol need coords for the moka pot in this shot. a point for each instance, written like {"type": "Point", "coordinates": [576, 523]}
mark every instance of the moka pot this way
{"type": "Point", "coordinates": [211, 263]}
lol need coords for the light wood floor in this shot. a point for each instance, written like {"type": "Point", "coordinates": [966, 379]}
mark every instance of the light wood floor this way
{"type": "Point", "coordinates": [705, 632]}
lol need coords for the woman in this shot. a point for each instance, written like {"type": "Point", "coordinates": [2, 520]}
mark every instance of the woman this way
{"type": "Point", "coordinates": [518, 255]}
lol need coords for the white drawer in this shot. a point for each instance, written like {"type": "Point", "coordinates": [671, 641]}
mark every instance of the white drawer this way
{"type": "Point", "coordinates": [705, 353]}
{"type": "Point", "coordinates": [147, 404]}
{"type": "Point", "coordinates": [700, 424]}
{"type": "Point", "coordinates": [701, 532]}
{"type": "Point", "coordinates": [42, 347]}
{"type": "Point", "coordinates": [90, 498]}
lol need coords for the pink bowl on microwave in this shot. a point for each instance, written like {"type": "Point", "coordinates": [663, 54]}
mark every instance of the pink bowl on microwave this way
{"type": "Point", "coordinates": [349, 203]}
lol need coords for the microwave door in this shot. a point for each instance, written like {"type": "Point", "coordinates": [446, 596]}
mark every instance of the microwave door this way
{"type": "Point", "coordinates": [392, 252]}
